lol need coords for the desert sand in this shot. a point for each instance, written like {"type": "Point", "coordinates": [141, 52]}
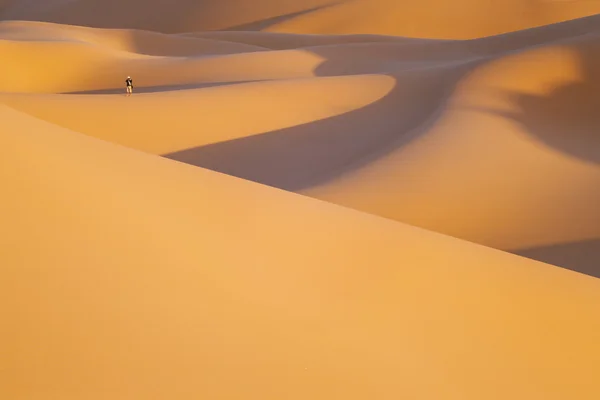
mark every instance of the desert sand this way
{"type": "Point", "coordinates": [459, 19]}
{"type": "Point", "coordinates": [302, 199]}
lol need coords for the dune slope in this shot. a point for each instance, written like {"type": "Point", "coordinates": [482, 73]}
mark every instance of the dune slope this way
{"type": "Point", "coordinates": [490, 140]}
{"type": "Point", "coordinates": [149, 251]}
{"type": "Point", "coordinates": [462, 19]}
{"type": "Point", "coordinates": [136, 276]}
{"type": "Point", "coordinates": [158, 15]}
{"type": "Point", "coordinates": [459, 19]}
{"type": "Point", "coordinates": [512, 161]}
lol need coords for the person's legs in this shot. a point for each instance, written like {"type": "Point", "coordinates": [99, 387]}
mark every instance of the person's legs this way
{"type": "Point", "coordinates": [129, 91]}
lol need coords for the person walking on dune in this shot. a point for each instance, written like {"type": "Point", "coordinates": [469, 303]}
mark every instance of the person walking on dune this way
{"type": "Point", "coordinates": [129, 84]}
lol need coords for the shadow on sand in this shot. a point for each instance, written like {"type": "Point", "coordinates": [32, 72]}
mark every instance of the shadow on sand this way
{"type": "Point", "coordinates": [306, 154]}
{"type": "Point", "coordinates": [161, 88]}
{"type": "Point", "coordinates": [583, 256]}
{"type": "Point", "coordinates": [567, 117]}
{"type": "Point", "coordinates": [268, 22]}
{"type": "Point", "coordinates": [301, 156]}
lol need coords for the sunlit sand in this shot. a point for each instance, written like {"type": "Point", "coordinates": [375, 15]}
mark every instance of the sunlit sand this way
{"type": "Point", "coordinates": [300, 200]}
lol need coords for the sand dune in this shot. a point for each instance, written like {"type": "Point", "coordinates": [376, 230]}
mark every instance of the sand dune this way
{"type": "Point", "coordinates": [459, 19]}
{"type": "Point", "coordinates": [205, 116]}
{"type": "Point", "coordinates": [301, 200]}
{"type": "Point", "coordinates": [463, 19]}
{"type": "Point", "coordinates": [128, 40]}
{"type": "Point", "coordinates": [474, 139]}
{"type": "Point", "coordinates": [512, 161]}
{"type": "Point", "coordinates": [159, 15]}
{"type": "Point", "coordinates": [135, 276]}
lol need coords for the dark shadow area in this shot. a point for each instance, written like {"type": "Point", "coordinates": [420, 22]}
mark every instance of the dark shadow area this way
{"type": "Point", "coordinates": [161, 16]}
{"type": "Point", "coordinates": [527, 38]}
{"type": "Point", "coordinates": [384, 57]}
{"type": "Point", "coordinates": [583, 256]}
{"type": "Point", "coordinates": [161, 88]}
{"type": "Point", "coordinates": [567, 117]}
{"type": "Point", "coordinates": [301, 156]}
{"type": "Point", "coordinates": [272, 40]}
{"type": "Point", "coordinates": [4, 5]}
{"type": "Point", "coordinates": [169, 45]}
{"type": "Point", "coordinates": [268, 22]}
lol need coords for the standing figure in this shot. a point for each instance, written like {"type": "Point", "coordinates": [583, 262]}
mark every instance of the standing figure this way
{"type": "Point", "coordinates": [129, 83]}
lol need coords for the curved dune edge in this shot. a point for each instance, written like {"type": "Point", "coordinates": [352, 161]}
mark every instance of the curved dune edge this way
{"type": "Point", "coordinates": [199, 117]}
{"type": "Point", "coordinates": [81, 68]}
{"type": "Point", "coordinates": [127, 40]}
{"type": "Point", "coordinates": [125, 273]}
{"type": "Point", "coordinates": [117, 259]}
{"type": "Point", "coordinates": [460, 19]}
{"type": "Point", "coordinates": [468, 138]}
{"type": "Point", "coordinates": [463, 19]}
{"type": "Point", "coordinates": [512, 161]}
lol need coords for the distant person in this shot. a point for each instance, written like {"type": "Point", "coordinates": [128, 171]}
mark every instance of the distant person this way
{"type": "Point", "coordinates": [129, 83]}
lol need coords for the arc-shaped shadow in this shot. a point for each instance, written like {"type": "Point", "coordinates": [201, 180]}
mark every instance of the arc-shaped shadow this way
{"type": "Point", "coordinates": [301, 156]}
{"type": "Point", "coordinates": [159, 88]}
{"type": "Point", "coordinates": [160, 17]}
{"type": "Point", "coordinates": [567, 117]}
{"type": "Point", "coordinates": [527, 38]}
{"type": "Point", "coordinates": [268, 22]}
{"type": "Point", "coordinates": [582, 256]}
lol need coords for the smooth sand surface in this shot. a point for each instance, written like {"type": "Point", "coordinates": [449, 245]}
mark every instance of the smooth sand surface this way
{"type": "Point", "coordinates": [458, 19]}
{"type": "Point", "coordinates": [490, 140]}
{"type": "Point", "coordinates": [302, 199]}
{"type": "Point", "coordinates": [126, 275]}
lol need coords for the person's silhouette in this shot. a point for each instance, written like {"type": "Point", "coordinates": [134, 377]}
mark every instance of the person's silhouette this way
{"type": "Point", "coordinates": [129, 84]}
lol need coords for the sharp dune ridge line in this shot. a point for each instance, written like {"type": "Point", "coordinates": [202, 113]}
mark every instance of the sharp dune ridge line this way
{"type": "Point", "coordinates": [461, 19]}
{"type": "Point", "coordinates": [301, 199]}
{"type": "Point", "coordinates": [137, 292]}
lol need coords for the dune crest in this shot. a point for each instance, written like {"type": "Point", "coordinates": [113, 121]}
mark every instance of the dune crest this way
{"type": "Point", "coordinates": [302, 199]}
{"type": "Point", "coordinates": [468, 138]}
{"type": "Point", "coordinates": [509, 163]}
{"type": "Point", "coordinates": [148, 262]}
{"type": "Point", "coordinates": [460, 19]}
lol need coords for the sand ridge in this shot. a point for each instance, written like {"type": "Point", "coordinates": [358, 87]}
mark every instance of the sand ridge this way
{"type": "Point", "coordinates": [447, 135]}
{"type": "Point", "coordinates": [302, 199]}
{"type": "Point", "coordinates": [460, 19]}
{"type": "Point", "coordinates": [138, 270]}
